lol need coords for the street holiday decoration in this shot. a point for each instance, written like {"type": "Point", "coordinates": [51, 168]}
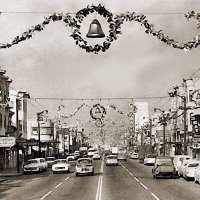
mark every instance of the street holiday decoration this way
{"type": "Point", "coordinates": [195, 96]}
{"type": "Point", "coordinates": [98, 112]}
{"type": "Point", "coordinates": [60, 113]}
{"type": "Point", "coordinates": [114, 22]}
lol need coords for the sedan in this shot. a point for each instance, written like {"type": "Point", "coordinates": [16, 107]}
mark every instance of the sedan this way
{"type": "Point", "coordinates": [84, 166]}
{"type": "Point", "coordinates": [61, 165]}
{"type": "Point", "coordinates": [111, 160]}
{"type": "Point", "coordinates": [35, 165]}
{"type": "Point", "coordinates": [96, 156]}
{"type": "Point", "coordinates": [134, 156]}
{"type": "Point", "coordinates": [189, 170]}
{"type": "Point", "coordinates": [149, 159]}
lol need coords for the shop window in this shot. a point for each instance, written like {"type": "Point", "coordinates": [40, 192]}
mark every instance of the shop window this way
{"type": "Point", "coordinates": [20, 125]}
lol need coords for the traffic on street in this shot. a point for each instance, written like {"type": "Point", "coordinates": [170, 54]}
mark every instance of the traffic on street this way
{"type": "Point", "coordinates": [127, 180]}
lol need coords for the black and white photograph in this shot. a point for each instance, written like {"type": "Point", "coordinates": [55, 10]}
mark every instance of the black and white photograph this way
{"type": "Point", "coordinates": [100, 100]}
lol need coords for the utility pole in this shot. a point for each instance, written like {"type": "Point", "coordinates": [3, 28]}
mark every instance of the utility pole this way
{"type": "Point", "coordinates": [185, 125]}
{"type": "Point", "coordinates": [39, 140]}
{"type": "Point", "coordinates": [150, 131]}
{"type": "Point", "coordinates": [17, 126]}
{"type": "Point", "coordinates": [164, 137]}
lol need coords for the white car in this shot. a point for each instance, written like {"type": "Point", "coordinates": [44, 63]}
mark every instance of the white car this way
{"type": "Point", "coordinates": [189, 170]}
{"type": "Point", "coordinates": [111, 160]}
{"type": "Point", "coordinates": [182, 167]}
{"type": "Point", "coordinates": [61, 165]}
{"type": "Point", "coordinates": [96, 156]}
{"type": "Point", "coordinates": [35, 165]}
{"type": "Point", "coordinates": [134, 156]}
{"type": "Point", "coordinates": [197, 175]}
{"type": "Point", "coordinates": [178, 160]}
{"type": "Point", "coordinates": [91, 152]}
{"type": "Point", "coordinates": [84, 166]}
{"type": "Point", "coordinates": [149, 159]}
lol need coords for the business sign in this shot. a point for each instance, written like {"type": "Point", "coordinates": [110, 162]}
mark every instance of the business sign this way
{"type": "Point", "coordinates": [196, 125]}
{"type": "Point", "coordinates": [7, 141]}
{"type": "Point", "coordinates": [196, 143]}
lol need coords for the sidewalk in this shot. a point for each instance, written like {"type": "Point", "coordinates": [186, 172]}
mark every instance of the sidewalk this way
{"type": "Point", "coordinates": [9, 173]}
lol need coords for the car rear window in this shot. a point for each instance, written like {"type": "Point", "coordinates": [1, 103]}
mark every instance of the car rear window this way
{"type": "Point", "coordinates": [193, 165]}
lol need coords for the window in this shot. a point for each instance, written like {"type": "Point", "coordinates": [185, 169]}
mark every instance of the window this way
{"type": "Point", "coordinates": [190, 95]}
{"type": "Point", "coordinates": [5, 122]}
{"type": "Point", "coordinates": [19, 105]}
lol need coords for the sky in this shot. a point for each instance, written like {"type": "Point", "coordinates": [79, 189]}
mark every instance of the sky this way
{"type": "Point", "coordinates": [136, 65]}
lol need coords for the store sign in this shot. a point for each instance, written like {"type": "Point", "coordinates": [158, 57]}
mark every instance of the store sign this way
{"type": "Point", "coordinates": [196, 143]}
{"type": "Point", "coordinates": [196, 125]}
{"type": "Point", "coordinates": [7, 141]}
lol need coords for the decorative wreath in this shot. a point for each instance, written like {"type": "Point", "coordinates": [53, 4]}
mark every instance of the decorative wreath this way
{"type": "Point", "coordinates": [113, 32]}
{"type": "Point", "coordinates": [100, 115]}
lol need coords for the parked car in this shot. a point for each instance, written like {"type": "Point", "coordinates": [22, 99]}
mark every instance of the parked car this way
{"type": "Point", "coordinates": [197, 175]}
{"type": "Point", "coordinates": [50, 161]}
{"type": "Point", "coordinates": [189, 170]}
{"type": "Point", "coordinates": [96, 156]}
{"type": "Point", "coordinates": [163, 167]}
{"type": "Point", "coordinates": [178, 160]}
{"type": "Point", "coordinates": [182, 167]}
{"type": "Point", "coordinates": [35, 165]}
{"type": "Point", "coordinates": [149, 159]}
{"type": "Point", "coordinates": [61, 165]}
{"type": "Point", "coordinates": [111, 160]}
{"type": "Point", "coordinates": [84, 166]}
{"type": "Point", "coordinates": [72, 157]}
{"type": "Point", "coordinates": [134, 155]}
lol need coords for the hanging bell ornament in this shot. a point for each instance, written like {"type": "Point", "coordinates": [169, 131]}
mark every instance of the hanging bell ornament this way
{"type": "Point", "coordinates": [97, 110]}
{"type": "Point", "coordinates": [95, 30]}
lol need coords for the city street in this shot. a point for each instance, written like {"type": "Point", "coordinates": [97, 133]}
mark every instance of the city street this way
{"type": "Point", "coordinates": [129, 180]}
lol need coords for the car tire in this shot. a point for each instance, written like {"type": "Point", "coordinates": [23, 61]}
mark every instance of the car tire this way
{"type": "Point", "coordinates": [76, 174]}
{"type": "Point", "coordinates": [54, 172]}
{"type": "Point", "coordinates": [186, 178]}
{"type": "Point", "coordinates": [156, 176]}
{"type": "Point", "coordinates": [195, 181]}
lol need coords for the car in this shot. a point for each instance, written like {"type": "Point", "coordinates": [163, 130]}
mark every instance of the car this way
{"type": "Point", "coordinates": [122, 156]}
{"type": "Point", "coordinates": [163, 167]}
{"type": "Point", "coordinates": [35, 165]}
{"type": "Point", "coordinates": [96, 156]}
{"type": "Point", "coordinates": [84, 166]}
{"type": "Point", "coordinates": [134, 155]}
{"type": "Point", "coordinates": [111, 160]}
{"type": "Point", "coordinates": [182, 167]}
{"type": "Point", "coordinates": [50, 161]}
{"type": "Point", "coordinates": [188, 172]}
{"type": "Point", "coordinates": [61, 165]}
{"type": "Point", "coordinates": [149, 159]}
{"type": "Point", "coordinates": [72, 157]}
{"type": "Point", "coordinates": [91, 152]}
{"type": "Point", "coordinates": [178, 160]}
{"type": "Point", "coordinates": [197, 175]}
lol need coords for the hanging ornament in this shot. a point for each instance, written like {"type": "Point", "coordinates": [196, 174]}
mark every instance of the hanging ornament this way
{"type": "Point", "coordinates": [97, 112]}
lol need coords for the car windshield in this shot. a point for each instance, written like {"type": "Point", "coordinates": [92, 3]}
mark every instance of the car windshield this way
{"type": "Point", "coordinates": [193, 165]}
{"type": "Point", "coordinates": [32, 161]}
{"type": "Point", "coordinates": [60, 161]}
{"type": "Point", "coordinates": [164, 163]}
{"type": "Point", "coordinates": [50, 159]}
{"type": "Point", "coordinates": [112, 157]}
{"type": "Point", "coordinates": [85, 161]}
{"type": "Point", "coordinates": [150, 156]}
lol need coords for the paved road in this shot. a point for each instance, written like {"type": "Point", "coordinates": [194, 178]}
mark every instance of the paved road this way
{"type": "Point", "coordinates": [130, 180]}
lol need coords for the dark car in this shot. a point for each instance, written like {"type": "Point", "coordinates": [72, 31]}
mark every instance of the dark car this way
{"type": "Point", "coordinates": [163, 167]}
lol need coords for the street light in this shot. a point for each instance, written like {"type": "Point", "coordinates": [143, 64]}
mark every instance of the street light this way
{"type": "Point", "coordinates": [150, 128]}
{"type": "Point", "coordinates": [163, 120]}
{"type": "Point", "coordinates": [173, 94]}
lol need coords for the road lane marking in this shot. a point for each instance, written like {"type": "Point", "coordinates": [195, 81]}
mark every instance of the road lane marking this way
{"type": "Point", "coordinates": [99, 189]}
{"type": "Point", "coordinates": [67, 178]}
{"type": "Point", "coordinates": [144, 186]}
{"type": "Point", "coordinates": [102, 164]}
{"type": "Point", "coordinates": [155, 196]}
{"type": "Point", "coordinates": [46, 195]}
{"type": "Point", "coordinates": [136, 179]}
{"type": "Point", "coordinates": [58, 185]}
